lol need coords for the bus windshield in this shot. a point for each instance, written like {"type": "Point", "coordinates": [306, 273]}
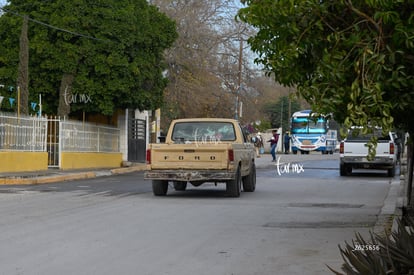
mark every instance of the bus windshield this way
{"type": "Point", "coordinates": [304, 125]}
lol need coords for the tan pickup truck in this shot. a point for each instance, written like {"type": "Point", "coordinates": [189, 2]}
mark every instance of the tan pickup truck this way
{"type": "Point", "coordinates": [202, 150]}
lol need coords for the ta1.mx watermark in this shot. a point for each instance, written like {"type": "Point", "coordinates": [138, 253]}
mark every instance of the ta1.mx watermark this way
{"type": "Point", "coordinates": [287, 168]}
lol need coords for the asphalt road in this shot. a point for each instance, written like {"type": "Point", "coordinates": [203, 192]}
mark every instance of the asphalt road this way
{"type": "Point", "coordinates": [291, 224]}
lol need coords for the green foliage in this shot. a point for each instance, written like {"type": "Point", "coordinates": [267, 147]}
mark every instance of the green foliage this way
{"type": "Point", "coordinates": [263, 126]}
{"type": "Point", "coordinates": [278, 112]}
{"type": "Point", "coordinates": [113, 48]}
{"type": "Point", "coordinates": [381, 254]}
{"type": "Point", "coordinates": [353, 59]}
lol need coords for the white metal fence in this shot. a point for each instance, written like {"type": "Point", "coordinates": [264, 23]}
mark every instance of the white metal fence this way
{"type": "Point", "coordinates": [83, 137]}
{"type": "Point", "coordinates": [22, 133]}
{"type": "Point", "coordinates": [55, 136]}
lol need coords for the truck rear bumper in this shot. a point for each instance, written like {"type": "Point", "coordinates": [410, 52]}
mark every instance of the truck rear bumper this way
{"type": "Point", "coordinates": [190, 175]}
{"type": "Point", "coordinates": [362, 162]}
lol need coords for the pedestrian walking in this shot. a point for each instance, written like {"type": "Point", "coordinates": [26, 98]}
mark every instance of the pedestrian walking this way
{"type": "Point", "coordinates": [258, 144]}
{"type": "Point", "coordinates": [273, 143]}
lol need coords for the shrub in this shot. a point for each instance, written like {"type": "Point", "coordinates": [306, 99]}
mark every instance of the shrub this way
{"type": "Point", "coordinates": [388, 254]}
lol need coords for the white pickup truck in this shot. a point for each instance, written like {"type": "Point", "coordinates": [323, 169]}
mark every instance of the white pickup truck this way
{"type": "Point", "coordinates": [354, 151]}
{"type": "Point", "coordinates": [202, 150]}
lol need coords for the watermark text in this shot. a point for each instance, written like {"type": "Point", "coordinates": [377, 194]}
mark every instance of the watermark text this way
{"type": "Point", "coordinates": [365, 247]}
{"type": "Point", "coordinates": [287, 168]}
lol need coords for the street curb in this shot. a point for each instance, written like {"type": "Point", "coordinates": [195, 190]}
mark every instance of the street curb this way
{"type": "Point", "coordinates": [47, 179]}
{"type": "Point", "coordinates": [125, 170]}
{"type": "Point", "coordinates": [69, 176]}
{"type": "Point", "coordinates": [388, 215]}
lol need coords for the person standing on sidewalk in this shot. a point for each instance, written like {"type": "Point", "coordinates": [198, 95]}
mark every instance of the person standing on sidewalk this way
{"type": "Point", "coordinates": [286, 141]}
{"type": "Point", "coordinates": [258, 144]}
{"type": "Point", "coordinates": [273, 143]}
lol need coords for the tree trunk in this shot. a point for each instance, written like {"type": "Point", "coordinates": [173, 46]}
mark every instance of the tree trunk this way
{"type": "Point", "coordinates": [65, 94]}
{"type": "Point", "coordinates": [23, 74]}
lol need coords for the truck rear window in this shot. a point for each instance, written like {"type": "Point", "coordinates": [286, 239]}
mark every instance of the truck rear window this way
{"type": "Point", "coordinates": [355, 135]}
{"type": "Point", "coordinates": [203, 132]}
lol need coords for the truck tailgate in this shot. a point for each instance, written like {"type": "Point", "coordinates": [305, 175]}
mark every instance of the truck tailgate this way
{"type": "Point", "coordinates": [361, 149]}
{"type": "Point", "coordinates": [189, 156]}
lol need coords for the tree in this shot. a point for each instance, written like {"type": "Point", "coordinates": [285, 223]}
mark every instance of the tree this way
{"type": "Point", "coordinates": [279, 112]}
{"type": "Point", "coordinates": [192, 58]}
{"type": "Point", "coordinates": [204, 63]}
{"type": "Point", "coordinates": [109, 54]}
{"type": "Point", "coordinates": [23, 73]}
{"type": "Point", "coordinates": [351, 58]}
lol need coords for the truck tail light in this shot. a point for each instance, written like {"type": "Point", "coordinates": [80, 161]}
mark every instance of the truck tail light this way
{"type": "Point", "coordinates": [341, 147]}
{"type": "Point", "coordinates": [231, 155]}
{"type": "Point", "coordinates": [392, 148]}
{"type": "Point", "coordinates": [148, 156]}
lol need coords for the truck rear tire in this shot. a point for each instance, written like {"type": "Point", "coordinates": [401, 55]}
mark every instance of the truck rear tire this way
{"type": "Point", "coordinates": [391, 172]}
{"type": "Point", "coordinates": [345, 169]}
{"type": "Point", "coordinates": [233, 186]}
{"type": "Point", "coordinates": [159, 187]}
{"type": "Point", "coordinates": [341, 169]}
{"type": "Point", "coordinates": [249, 181]}
{"type": "Point", "coordinates": [180, 185]}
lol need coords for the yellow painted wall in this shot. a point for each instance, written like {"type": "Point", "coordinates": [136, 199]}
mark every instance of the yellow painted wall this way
{"type": "Point", "coordinates": [77, 160]}
{"type": "Point", "coordinates": [22, 161]}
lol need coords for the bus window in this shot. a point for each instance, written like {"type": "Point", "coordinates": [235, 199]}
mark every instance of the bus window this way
{"type": "Point", "coordinates": [306, 125]}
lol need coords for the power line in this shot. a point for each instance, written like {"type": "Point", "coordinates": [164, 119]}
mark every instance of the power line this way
{"type": "Point", "coordinates": [54, 27]}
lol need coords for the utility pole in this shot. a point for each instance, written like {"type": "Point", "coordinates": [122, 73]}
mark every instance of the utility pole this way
{"type": "Point", "coordinates": [236, 111]}
{"type": "Point", "coordinates": [290, 109]}
{"type": "Point", "coordinates": [281, 113]}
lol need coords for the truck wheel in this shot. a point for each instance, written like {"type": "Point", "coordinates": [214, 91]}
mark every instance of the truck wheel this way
{"type": "Point", "coordinates": [249, 181]}
{"type": "Point", "coordinates": [159, 187]}
{"type": "Point", "coordinates": [233, 186]}
{"type": "Point", "coordinates": [391, 172]}
{"type": "Point", "coordinates": [180, 185]}
{"type": "Point", "coordinates": [343, 170]}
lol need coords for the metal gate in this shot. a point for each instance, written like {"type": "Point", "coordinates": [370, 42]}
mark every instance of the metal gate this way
{"type": "Point", "coordinates": [53, 142]}
{"type": "Point", "coordinates": [136, 139]}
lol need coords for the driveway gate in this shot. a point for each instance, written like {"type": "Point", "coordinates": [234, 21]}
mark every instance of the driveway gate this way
{"type": "Point", "coordinates": [136, 139]}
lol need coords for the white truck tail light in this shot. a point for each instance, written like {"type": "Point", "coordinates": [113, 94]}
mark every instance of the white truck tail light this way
{"type": "Point", "coordinates": [341, 147]}
{"type": "Point", "coordinates": [392, 148]}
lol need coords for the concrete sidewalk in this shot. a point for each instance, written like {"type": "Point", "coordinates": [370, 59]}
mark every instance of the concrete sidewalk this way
{"type": "Point", "coordinates": [56, 175]}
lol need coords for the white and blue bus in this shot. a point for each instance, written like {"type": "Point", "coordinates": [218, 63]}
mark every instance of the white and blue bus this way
{"type": "Point", "coordinates": [310, 133]}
